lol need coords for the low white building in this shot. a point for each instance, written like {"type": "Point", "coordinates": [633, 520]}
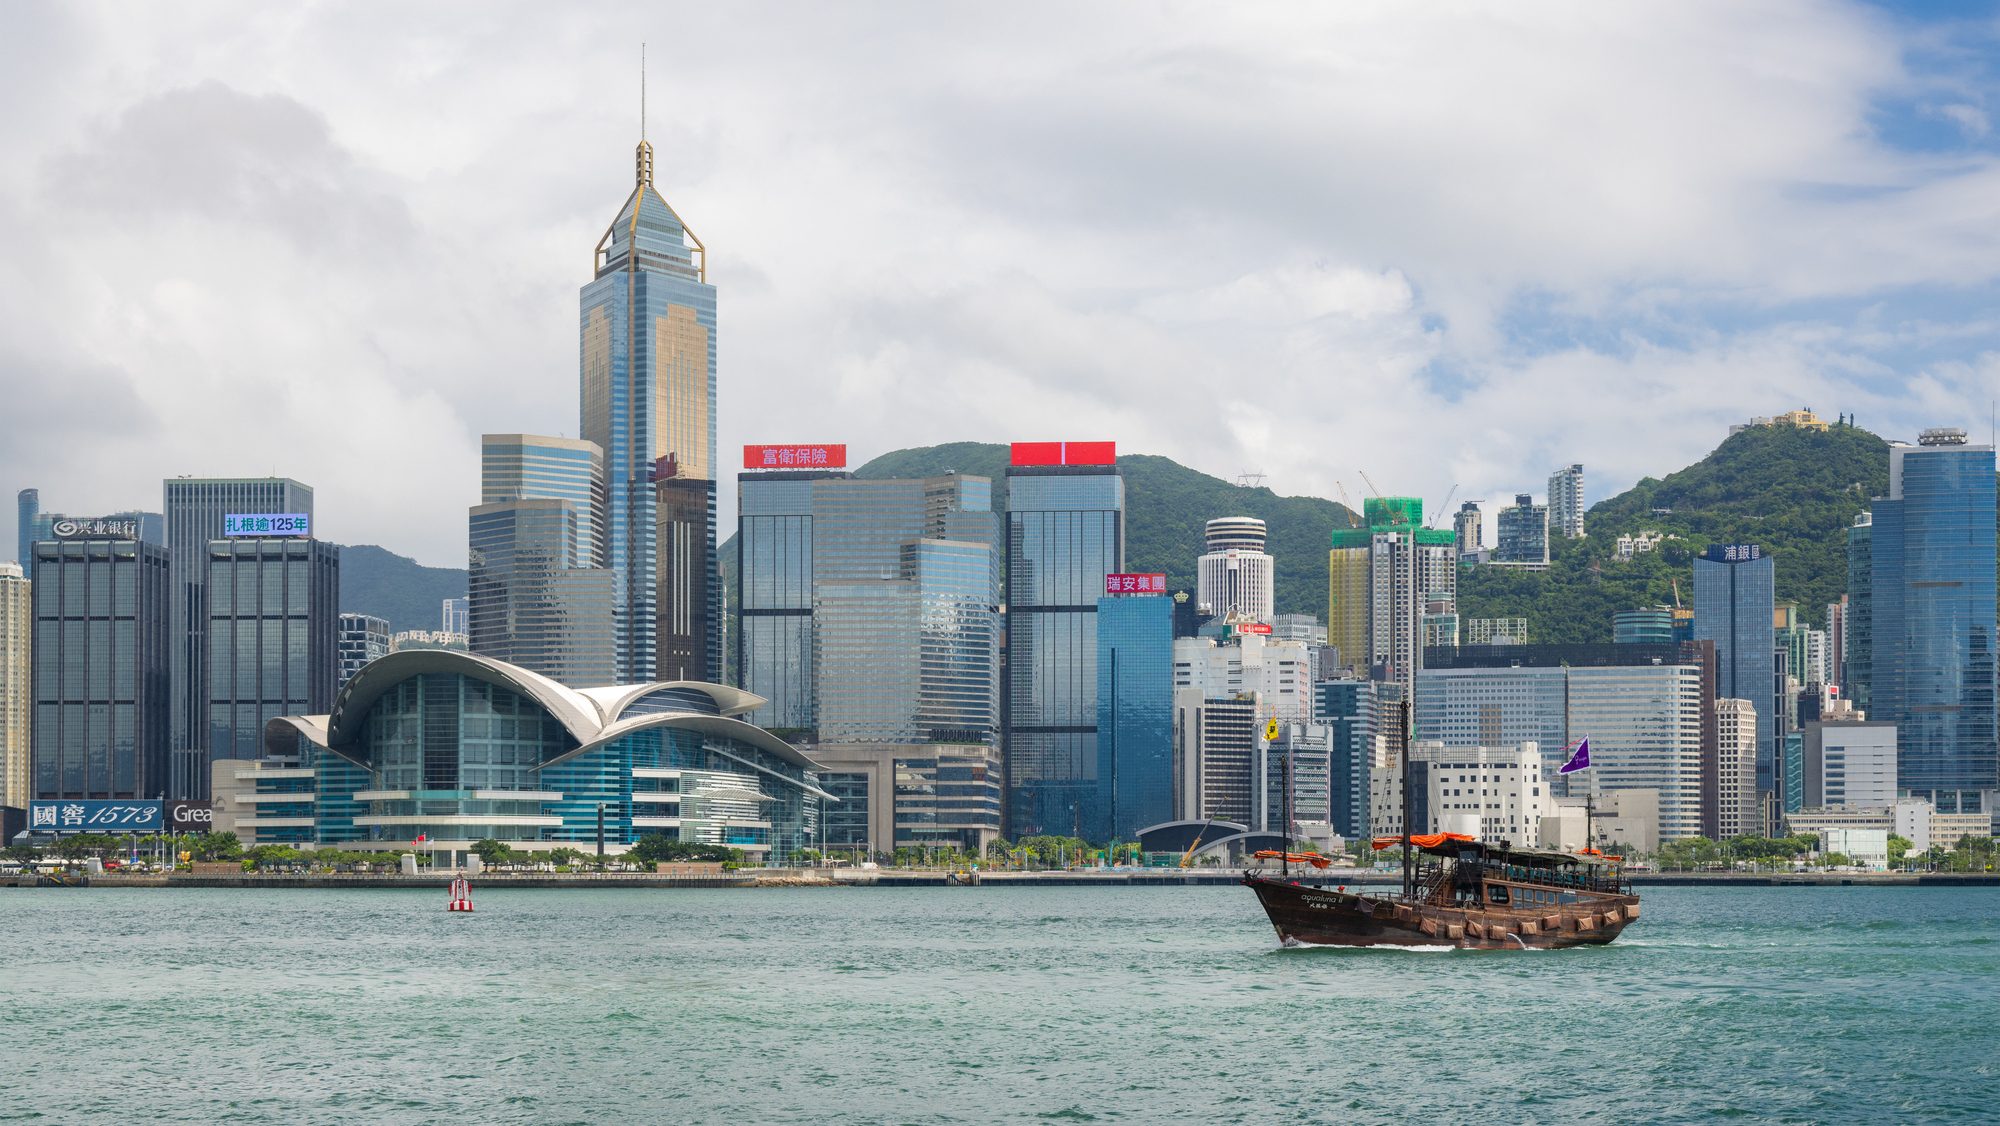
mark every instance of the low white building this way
{"type": "Point", "coordinates": [1864, 848]}
{"type": "Point", "coordinates": [1500, 789]}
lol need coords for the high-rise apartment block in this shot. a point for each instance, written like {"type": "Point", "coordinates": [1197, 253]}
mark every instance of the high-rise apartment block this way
{"type": "Point", "coordinates": [362, 638]}
{"type": "Point", "coordinates": [1469, 528]}
{"type": "Point", "coordinates": [1382, 579]}
{"type": "Point", "coordinates": [1235, 578]}
{"type": "Point", "coordinates": [272, 639]}
{"type": "Point", "coordinates": [1566, 502]}
{"type": "Point", "coordinates": [455, 616]}
{"type": "Point", "coordinates": [647, 359]}
{"type": "Point", "coordinates": [1280, 673]}
{"type": "Point", "coordinates": [1932, 602]}
{"type": "Point", "coordinates": [199, 511]}
{"type": "Point", "coordinates": [100, 728]}
{"type": "Point", "coordinates": [17, 628]}
{"type": "Point", "coordinates": [1523, 533]}
{"type": "Point", "coordinates": [1734, 812]}
{"type": "Point", "coordinates": [1733, 607]}
{"type": "Point", "coordinates": [1065, 533]}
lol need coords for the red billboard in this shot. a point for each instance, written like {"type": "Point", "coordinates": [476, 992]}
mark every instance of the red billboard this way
{"type": "Point", "coordinates": [1065, 453]}
{"type": "Point", "coordinates": [795, 457]}
{"type": "Point", "coordinates": [1252, 627]}
{"type": "Point", "coordinates": [1123, 583]}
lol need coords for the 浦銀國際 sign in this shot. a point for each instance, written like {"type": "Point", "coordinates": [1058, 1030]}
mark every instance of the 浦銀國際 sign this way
{"type": "Point", "coordinates": [1733, 552]}
{"type": "Point", "coordinates": [69, 528]}
{"type": "Point", "coordinates": [137, 815]}
{"type": "Point", "coordinates": [267, 524]}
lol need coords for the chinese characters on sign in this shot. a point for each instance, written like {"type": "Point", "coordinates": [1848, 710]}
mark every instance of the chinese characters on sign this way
{"type": "Point", "coordinates": [267, 524]}
{"type": "Point", "coordinates": [1252, 627]}
{"type": "Point", "coordinates": [1734, 552]}
{"type": "Point", "coordinates": [95, 816]}
{"type": "Point", "coordinates": [795, 457]}
{"type": "Point", "coordinates": [71, 529]}
{"type": "Point", "coordinates": [1135, 584]}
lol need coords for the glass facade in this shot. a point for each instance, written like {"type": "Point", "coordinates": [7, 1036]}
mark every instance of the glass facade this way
{"type": "Point", "coordinates": [1350, 709]}
{"type": "Point", "coordinates": [536, 466]}
{"type": "Point", "coordinates": [1734, 599]}
{"type": "Point", "coordinates": [774, 629]}
{"type": "Point", "coordinates": [363, 638]}
{"type": "Point", "coordinates": [647, 363]}
{"type": "Point", "coordinates": [1858, 644]}
{"type": "Point", "coordinates": [1065, 532]}
{"type": "Point", "coordinates": [529, 606]}
{"type": "Point", "coordinates": [1651, 626]}
{"type": "Point", "coordinates": [195, 512]}
{"type": "Point", "coordinates": [271, 638]}
{"type": "Point", "coordinates": [1932, 667]}
{"type": "Point", "coordinates": [1135, 709]}
{"type": "Point", "coordinates": [100, 720]}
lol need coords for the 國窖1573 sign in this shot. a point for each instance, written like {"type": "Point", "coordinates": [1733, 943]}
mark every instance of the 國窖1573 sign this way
{"type": "Point", "coordinates": [1122, 583]}
{"type": "Point", "coordinates": [808, 456]}
{"type": "Point", "coordinates": [95, 816]}
{"type": "Point", "coordinates": [267, 524]}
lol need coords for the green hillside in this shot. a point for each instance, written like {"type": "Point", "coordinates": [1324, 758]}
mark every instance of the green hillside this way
{"type": "Point", "coordinates": [375, 580]}
{"type": "Point", "coordinates": [1795, 492]}
{"type": "Point", "coordinates": [1166, 506]}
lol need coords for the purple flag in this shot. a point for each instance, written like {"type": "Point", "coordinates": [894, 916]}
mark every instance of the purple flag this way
{"type": "Point", "coordinates": [1579, 759]}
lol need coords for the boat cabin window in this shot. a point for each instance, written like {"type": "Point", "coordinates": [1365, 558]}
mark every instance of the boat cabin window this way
{"type": "Point", "coordinates": [1496, 893]}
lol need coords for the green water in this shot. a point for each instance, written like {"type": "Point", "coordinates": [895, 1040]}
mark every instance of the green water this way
{"type": "Point", "coordinates": [979, 1005]}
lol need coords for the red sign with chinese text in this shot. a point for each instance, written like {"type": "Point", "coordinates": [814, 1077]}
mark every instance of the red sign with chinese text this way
{"type": "Point", "coordinates": [1252, 627]}
{"type": "Point", "coordinates": [795, 457]}
{"type": "Point", "coordinates": [1065, 453]}
{"type": "Point", "coordinates": [1123, 583]}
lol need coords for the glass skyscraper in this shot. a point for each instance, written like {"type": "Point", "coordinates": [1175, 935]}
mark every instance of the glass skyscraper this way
{"type": "Point", "coordinates": [196, 511]}
{"type": "Point", "coordinates": [1932, 608]}
{"type": "Point", "coordinates": [1065, 532]}
{"type": "Point", "coordinates": [774, 628]}
{"type": "Point", "coordinates": [363, 638]}
{"type": "Point", "coordinates": [101, 679]}
{"type": "Point", "coordinates": [1135, 716]}
{"type": "Point", "coordinates": [1353, 709]}
{"type": "Point", "coordinates": [646, 358]}
{"type": "Point", "coordinates": [1734, 601]}
{"type": "Point", "coordinates": [272, 644]}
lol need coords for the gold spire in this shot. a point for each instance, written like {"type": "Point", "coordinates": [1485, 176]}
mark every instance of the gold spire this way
{"type": "Point", "coordinates": [644, 156]}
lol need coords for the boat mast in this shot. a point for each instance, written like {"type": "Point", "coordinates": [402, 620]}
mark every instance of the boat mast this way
{"type": "Point", "coordinates": [1409, 868]}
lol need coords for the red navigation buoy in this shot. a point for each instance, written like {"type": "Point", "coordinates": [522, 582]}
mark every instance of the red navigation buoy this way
{"type": "Point", "coordinates": [461, 895]}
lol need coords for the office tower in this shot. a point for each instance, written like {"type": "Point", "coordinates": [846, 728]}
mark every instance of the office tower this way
{"type": "Point", "coordinates": [1857, 671]}
{"type": "Point", "coordinates": [27, 505]}
{"type": "Point", "coordinates": [1280, 673]}
{"type": "Point", "coordinates": [363, 638]}
{"type": "Point", "coordinates": [1353, 712]}
{"type": "Point", "coordinates": [1932, 668]}
{"type": "Point", "coordinates": [1642, 707]}
{"type": "Point", "coordinates": [1381, 580]}
{"type": "Point", "coordinates": [774, 628]}
{"type": "Point", "coordinates": [272, 640]}
{"type": "Point", "coordinates": [1849, 763]}
{"type": "Point", "coordinates": [101, 676]}
{"type": "Point", "coordinates": [17, 628]}
{"type": "Point", "coordinates": [647, 368]}
{"type": "Point", "coordinates": [1650, 625]}
{"type": "Point", "coordinates": [1298, 627]}
{"type": "Point", "coordinates": [1523, 535]}
{"type": "Point", "coordinates": [1135, 714]}
{"type": "Point", "coordinates": [1494, 793]}
{"type": "Point", "coordinates": [1735, 808]}
{"type": "Point", "coordinates": [538, 595]}
{"type": "Point", "coordinates": [199, 511]}
{"type": "Point", "coordinates": [1733, 607]}
{"type": "Point", "coordinates": [455, 616]}
{"type": "Point", "coordinates": [1566, 502]}
{"type": "Point", "coordinates": [687, 640]}
{"type": "Point", "coordinates": [1234, 578]}
{"type": "Point", "coordinates": [1469, 528]}
{"type": "Point", "coordinates": [1297, 782]}
{"type": "Point", "coordinates": [1217, 743]}
{"type": "Point", "coordinates": [1836, 641]}
{"type": "Point", "coordinates": [1065, 533]}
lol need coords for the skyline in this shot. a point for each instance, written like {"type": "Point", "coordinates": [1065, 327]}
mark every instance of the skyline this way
{"type": "Point", "coordinates": [351, 263]}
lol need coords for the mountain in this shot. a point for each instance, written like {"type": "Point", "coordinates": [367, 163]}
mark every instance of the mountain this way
{"type": "Point", "coordinates": [375, 580]}
{"type": "Point", "coordinates": [1166, 505]}
{"type": "Point", "coordinates": [1792, 491]}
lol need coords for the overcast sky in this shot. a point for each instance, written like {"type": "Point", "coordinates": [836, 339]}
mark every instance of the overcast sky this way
{"type": "Point", "coordinates": [1447, 244]}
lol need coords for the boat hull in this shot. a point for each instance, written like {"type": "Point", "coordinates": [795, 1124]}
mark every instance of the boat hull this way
{"type": "Point", "coordinates": [1327, 917]}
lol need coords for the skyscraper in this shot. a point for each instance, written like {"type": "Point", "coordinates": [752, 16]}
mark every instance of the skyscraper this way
{"type": "Point", "coordinates": [363, 638]}
{"type": "Point", "coordinates": [1566, 501]}
{"type": "Point", "coordinates": [646, 357]}
{"type": "Point", "coordinates": [1857, 664]}
{"type": "Point", "coordinates": [1235, 577]}
{"type": "Point", "coordinates": [1065, 532]}
{"type": "Point", "coordinates": [1469, 528]}
{"type": "Point", "coordinates": [1523, 535]}
{"type": "Point", "coordinates": [1383, 579]}
{"type": "Point", "coordinates": [1735, 809]}
{"type": "Point", "coordinates": [1932, 667]}
{"type": "Point", "coordinates": [1733, 607]}
{"type": "Point", "coordinates": [100, 655]}
{"type": "Point", "coordinates": [27, 505]}
{"type": "Point", "coordinates": [272, 640]}
{"type": "Point", "coordinates": [198, 511]}
{"type": "Point", "coordinates": [455, 616]}
{"type": "Point", "coordinates": [1135, 728]}
{"type": "Point", "coordinates": [17, 626]}
{"type": "Point", "coordinates": [1352, 709]}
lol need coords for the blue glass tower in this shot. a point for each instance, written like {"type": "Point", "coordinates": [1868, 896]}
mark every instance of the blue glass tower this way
{"type": "Point", "coordinates": [1350, 707]}
{"type": "Point", "coordinates": [1135, 716]}
{"type": "Point", "coordinates": [646, 358]}
{"type": "Point", "coordinates": [1932, 667]}
{"type": "Point", "coordinates": [1733, 603]}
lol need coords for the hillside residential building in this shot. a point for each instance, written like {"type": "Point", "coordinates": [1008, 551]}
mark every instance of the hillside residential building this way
{"type": "Point", "coordinates": [1566, 502]}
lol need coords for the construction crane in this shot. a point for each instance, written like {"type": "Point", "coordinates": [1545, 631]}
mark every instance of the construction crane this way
{"type": "Point", "coordinates": [1371, 484]}
{"type": "Point", "coordinates": [1187, 858]}
{"type": "Point", "coordinates": [1432, 522]}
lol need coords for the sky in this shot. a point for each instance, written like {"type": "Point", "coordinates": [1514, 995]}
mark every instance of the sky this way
{"type": "Point", "coordinates": [1450, 245]}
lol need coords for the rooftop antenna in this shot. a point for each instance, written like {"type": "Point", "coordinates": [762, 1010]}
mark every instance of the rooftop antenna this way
{"type": "Point", "coordinates": [642, 90]}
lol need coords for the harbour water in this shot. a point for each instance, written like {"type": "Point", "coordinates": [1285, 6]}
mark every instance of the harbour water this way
{"type": "Point", "coordinates": [979, 1005]}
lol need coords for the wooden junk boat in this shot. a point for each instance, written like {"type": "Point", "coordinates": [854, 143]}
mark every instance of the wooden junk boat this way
{"type": "Point", "coordinates": [1465, 893]}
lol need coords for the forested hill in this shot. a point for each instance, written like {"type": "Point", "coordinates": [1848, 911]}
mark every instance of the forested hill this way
{"type": "Point", "coordinates": [1793, 491]}
{"type": "Point", "coordinates": [1166, 506]}
{"type": "Point", "coordinates": [375, 580]}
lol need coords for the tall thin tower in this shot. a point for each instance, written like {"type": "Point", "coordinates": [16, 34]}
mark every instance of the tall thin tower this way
{"type": "Point", "coordinates": [647, 364]}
